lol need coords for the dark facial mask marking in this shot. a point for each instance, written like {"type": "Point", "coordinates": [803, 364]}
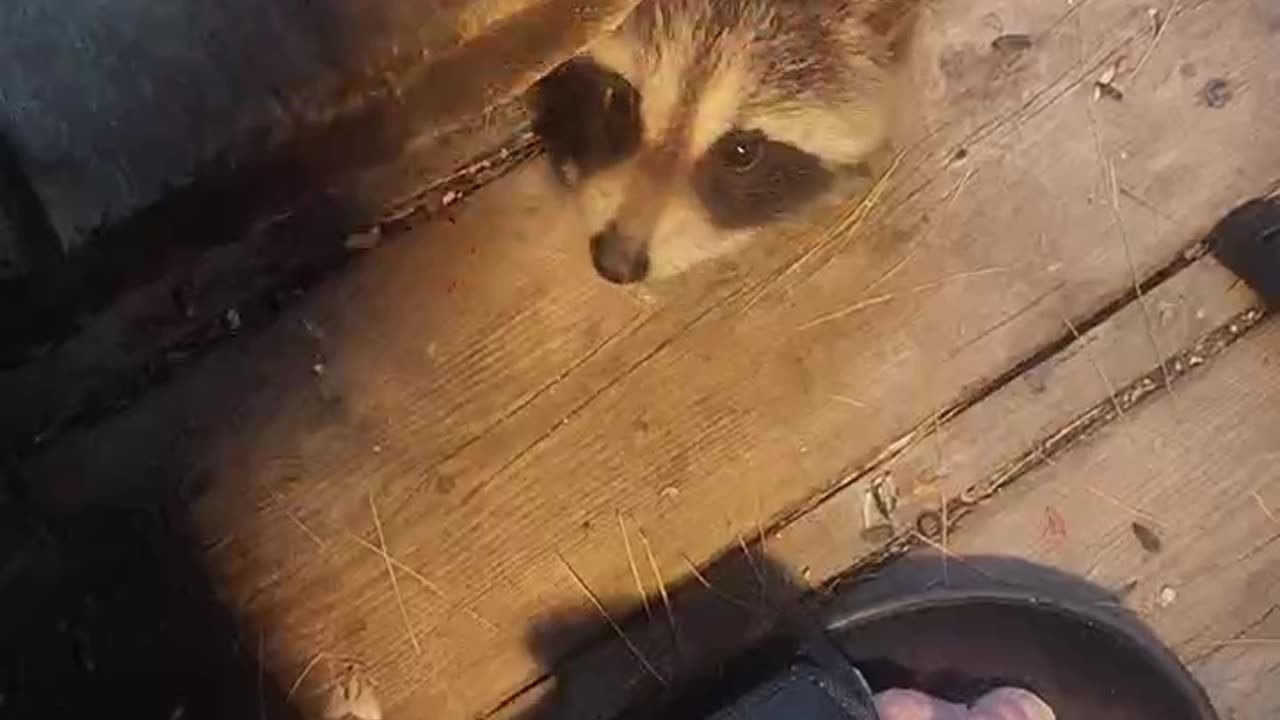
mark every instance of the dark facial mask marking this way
{"type": "Point", "coordinates": [746, 179]}
{"type": "Point", "coordinates": [586, 115]}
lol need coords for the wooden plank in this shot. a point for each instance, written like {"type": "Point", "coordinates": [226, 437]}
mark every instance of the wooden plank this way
{"type": "Point", "coordinates": [1018, 421]}
{"type": "Point", "coordinates": [502, 407]}
{"type": "Point", "coordinates": [1199, 470]}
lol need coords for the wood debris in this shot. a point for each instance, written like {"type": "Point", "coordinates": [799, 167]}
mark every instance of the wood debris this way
{"type": "Point", "coordinates": [1147, 538]}
{"type": "Point", "coordinates": [1105, 85]}
{"type": "Point", "coordinates": [1012, 42]}
{"type": "Point", "coordinates": [1217, 93]}
{"type": "Point", "coordinates": [354, 697]}
{"type": "Point", "coordinates": [365, 240]}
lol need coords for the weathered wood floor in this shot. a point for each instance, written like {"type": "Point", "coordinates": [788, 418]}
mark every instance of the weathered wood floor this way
{"type": "Point", "coordinates": [473, 399]}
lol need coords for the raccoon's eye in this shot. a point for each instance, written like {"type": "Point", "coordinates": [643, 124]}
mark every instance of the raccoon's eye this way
{"type": "Point", "coordinates": [747, 178]}
{"type": "Point", "coordinates": [619, 98]}
{"type": "Point", "coordinates": [741, 151]}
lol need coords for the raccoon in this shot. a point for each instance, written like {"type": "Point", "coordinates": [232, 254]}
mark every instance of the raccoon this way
{"type": "Point", "coordinates": [698, 122]}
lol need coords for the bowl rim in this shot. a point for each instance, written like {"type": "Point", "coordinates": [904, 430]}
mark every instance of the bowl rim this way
{"type": "Point", "coordinates": [1133, 633]}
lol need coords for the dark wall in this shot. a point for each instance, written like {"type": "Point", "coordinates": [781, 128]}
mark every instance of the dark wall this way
{"type": "Point", "coordinates": [111, 102]}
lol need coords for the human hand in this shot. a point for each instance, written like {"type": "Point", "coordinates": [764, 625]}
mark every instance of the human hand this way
{"type": "Point", "coordinates": [1001, 704]}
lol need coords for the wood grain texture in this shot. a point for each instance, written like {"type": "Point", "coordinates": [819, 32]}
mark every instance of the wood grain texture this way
{"type": "Point", "coordinates": [503, 406]}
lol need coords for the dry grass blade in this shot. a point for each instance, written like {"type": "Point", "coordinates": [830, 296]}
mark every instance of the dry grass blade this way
{"type": "Point", "coordinates": [881, 299]}
{"type": "Point", "coordinates": [921, 537]}
{"type": "Point", "coordinates": [760, 533]}
{"type": "Point", "coordinates": [1155, 40]}
{"type": "Point", "coordinates": [845, 226]}
{"type": "Point", "coordinates": [391, 571]}
{"type": "Point", "coordinates": [305, 530]}
{"type": "Point", "coordinates": [1246, 642]}
{"type": "Point", "coordinates": [1263, 507]}
{"type": "Point", "coordinates": [635, 570]}
{"type": "Point", "coordinates": [928, 235]}
{"type": "Point", "coordinates": [898, 266]}
{"type": "Point", "coordinates": [846, 400]}
{"type": "Point", "coordinates": [1137, 282]}
{"type": "Point", "coordinates": [306, 671]}
{"type": "Point", "coordinates": [702, 579]}
{"type": "Point", "coordinates": [1126, 507]}
{"type": "Point", "coordinates": [662, 584]}
{"type": "Point", "coordinates": [849, 222]}
{"type": "Point", "coordinates": [846, 312]}
{"type": "Point", "coordinates": [617, 629]}
{"type": "Point", "coordinates": [433, 588]}
{"type": "Point", "coordinates": [1097, 367]}
{"type": "Point", "coordinates": [938, 284]}
{"type": "Point", "coordinates": [755, 567]}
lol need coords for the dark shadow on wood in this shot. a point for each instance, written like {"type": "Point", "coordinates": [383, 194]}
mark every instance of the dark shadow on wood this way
{"type": "Point", "coordinates": [307, 172]}
{"type": "Point", "coordinates": [724, 643]}
{"type": "Point", "coordinates": [744, 602]}
{"type": "Point", "coordinates": [108, 612]}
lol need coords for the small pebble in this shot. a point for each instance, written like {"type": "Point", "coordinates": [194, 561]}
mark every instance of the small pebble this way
{"type": "Point", "coordinates": [1168, 596]}
{"type": "Point", "coordinates": [929, 524]}
{"type": "Point", "coordinates": [1217, 93]}
{"type": "Point", "coordinates": [233, 320]}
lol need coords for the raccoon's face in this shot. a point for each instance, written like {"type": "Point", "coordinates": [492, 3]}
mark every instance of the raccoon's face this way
{"type": "Point", "coordinates": [701, 121]}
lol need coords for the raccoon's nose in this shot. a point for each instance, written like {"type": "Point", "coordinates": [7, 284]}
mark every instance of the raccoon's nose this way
{"type": "Point", "coordinates": [617, 258]}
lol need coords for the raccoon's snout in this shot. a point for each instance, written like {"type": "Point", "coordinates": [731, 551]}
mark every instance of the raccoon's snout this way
{"type": "Point", "coordinates": [617, 258]}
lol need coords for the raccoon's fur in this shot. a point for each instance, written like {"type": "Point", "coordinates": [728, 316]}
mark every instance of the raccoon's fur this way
{"type": "Point", "coordinates": [699, 121]}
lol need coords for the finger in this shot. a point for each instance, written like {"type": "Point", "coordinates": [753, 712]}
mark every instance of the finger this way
{"type": "Point", "coordinates": [912, 705]}
{"type": "Point", "coordinates": [1011, 704]}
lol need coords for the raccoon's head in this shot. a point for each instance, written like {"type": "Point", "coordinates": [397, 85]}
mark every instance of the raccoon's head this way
{"type": "Point", "coordinates": [699, 121]}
